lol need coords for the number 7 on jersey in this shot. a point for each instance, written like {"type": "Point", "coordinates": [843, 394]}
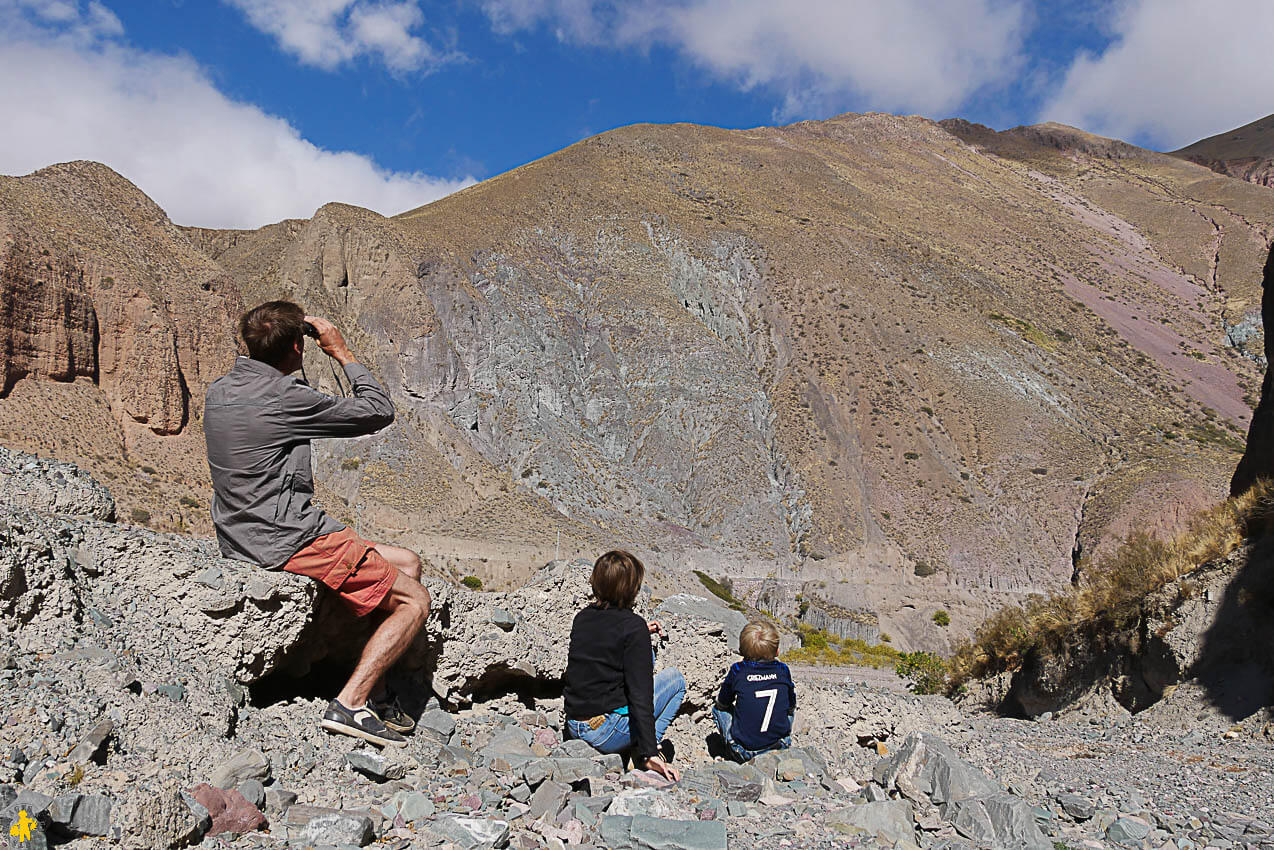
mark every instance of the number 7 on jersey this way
{"type": "Point", "coordinates": [770, 694]}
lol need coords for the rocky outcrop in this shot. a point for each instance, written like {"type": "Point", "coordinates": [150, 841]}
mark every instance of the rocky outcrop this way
{"type": "Point", "coordinates": [52, 487]}
{"type": "Point", "coordinates": [1258, 456]}
{"type": "Point", "coordinates": [113, 293]}
{"type": "Point", "coordinates": [842, 622]}
{"type": "Point", "coordinates": [1187, 654]}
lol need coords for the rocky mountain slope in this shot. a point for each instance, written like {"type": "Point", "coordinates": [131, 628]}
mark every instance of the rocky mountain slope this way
{"type": "Point", "coordinates": [159, 697]}
{"type": "Point", "coordinates": [1245, 152]}
{"type": "Point", "coordinates": [899, 365]}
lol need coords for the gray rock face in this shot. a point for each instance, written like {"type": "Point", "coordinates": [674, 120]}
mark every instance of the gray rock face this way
{"type": "Point", "coordinates": [132, 591]}
{"type": "Point", "coordinates": [889, 820]}
{"type": "Point", "coordinates": [842, 622]}
{"type": "Point", "coordinates": [926, 768]}
{"type": "Point", "coordinates": [704, 608]}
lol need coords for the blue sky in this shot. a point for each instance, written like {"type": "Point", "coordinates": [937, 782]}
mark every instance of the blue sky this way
{"type": "Point", "coordinates": [241, 112]}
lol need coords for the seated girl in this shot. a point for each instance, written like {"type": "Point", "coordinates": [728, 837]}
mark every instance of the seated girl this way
{"type": "Point", "coordinates": [613, 700]}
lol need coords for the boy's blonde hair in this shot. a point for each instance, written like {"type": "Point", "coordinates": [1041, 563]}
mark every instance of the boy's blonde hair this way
{"type": "Point", "coordinates": [759, 641]}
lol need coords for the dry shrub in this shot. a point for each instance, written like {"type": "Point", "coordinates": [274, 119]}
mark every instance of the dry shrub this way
{"type": "Point", "coordinates": [1111, 595]}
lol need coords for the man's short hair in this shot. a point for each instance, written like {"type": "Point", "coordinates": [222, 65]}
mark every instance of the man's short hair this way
{"type": "Point", "coordinates": [617, 577]}
{"type": "Point", "coordinates": [271, 330]}
{"type": "Point", "coordinates": [759, 641]}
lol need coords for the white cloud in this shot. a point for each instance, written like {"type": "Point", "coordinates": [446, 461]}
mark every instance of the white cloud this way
{"type": "Point", "coordinates": [330, 33]}
{"type": "Point", "coordinates": [72, 92]}
{"type": "Point", "coordinates": [817, 55]}
{"type": "Point", "coordinates": [1177, 71]}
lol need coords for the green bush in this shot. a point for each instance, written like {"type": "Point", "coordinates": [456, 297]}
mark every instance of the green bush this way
{"type": "Point", "coordinates": [942, 618]}
{"type": "Point", "coordinates": [140, 516]}
{"type": "Point", "coordinates": [718, 590]}
{"type": "Point", "coordinates": [923, 569]}
{"type": "Point", "coordinates": [472, 582]}
{"type": "Point", "coordinates": [189, 501]}
{"type": "Point", "coordinates": [925, 672]}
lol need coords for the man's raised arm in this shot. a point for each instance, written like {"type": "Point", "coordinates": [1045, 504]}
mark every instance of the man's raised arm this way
{"type": "Point", "coordinates": [312, 414]}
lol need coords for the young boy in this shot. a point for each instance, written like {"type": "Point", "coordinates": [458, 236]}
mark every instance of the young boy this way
{"type": "Point", "coordinates": [755, 706]}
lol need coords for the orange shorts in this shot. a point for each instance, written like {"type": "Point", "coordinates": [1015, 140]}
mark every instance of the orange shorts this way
{"type": "Point", "coordinates": [348, 565]}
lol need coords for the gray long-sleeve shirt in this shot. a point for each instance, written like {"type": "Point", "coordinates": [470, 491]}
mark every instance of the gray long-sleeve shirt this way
{"type": "Point", "coordinates": [258, 424]}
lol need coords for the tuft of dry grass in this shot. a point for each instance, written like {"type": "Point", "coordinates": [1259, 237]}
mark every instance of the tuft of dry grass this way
{"type": "Point", "coordinates": [823, 649]}
{"type": "Point", "coordinates": [1111, 595]}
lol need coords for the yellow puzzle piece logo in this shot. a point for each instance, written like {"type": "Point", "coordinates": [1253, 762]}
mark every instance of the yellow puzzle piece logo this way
{"type": "Point", "coordinates": [22, 827]}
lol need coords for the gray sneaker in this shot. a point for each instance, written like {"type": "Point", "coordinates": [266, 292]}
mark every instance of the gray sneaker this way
{"type": "Point", "coordinates": [360, 723]}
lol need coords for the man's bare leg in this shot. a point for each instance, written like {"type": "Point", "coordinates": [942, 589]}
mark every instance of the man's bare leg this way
{"type": "Point", "coordinates": [406, 562]}
{"type": "Point", "coordinates": [407, 604]}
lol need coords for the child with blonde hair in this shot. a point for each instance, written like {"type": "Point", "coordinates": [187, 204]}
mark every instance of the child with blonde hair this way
{"type": "Point", "coordinates": [757, 699]}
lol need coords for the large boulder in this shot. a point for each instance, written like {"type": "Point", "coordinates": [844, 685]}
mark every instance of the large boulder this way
{"type": "Point", "coordinates": [926, 770]}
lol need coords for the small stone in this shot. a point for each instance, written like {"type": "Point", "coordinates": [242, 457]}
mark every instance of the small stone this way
{"type": "Point", "coordinates": [174, 692]}
{"type": "Point", "coordinates": [375, 765]}
{"type": "Point", "coordinates": [503, 619]}
{"type": "Point", "coordinates": [414, 806]}
{"type": "Point", "coordinates": [91, 742]}
{"type": "Point", "coordinates": [340, 828]}
{"type": "Point", "coordinates": [210, 577]}
{"type": "Point", "coordinates": [1128, 829]}
{"type": "Point", "coordinates": [873, 793]}
{"type": "Point", "coordinates": [81, 814]}
{"type": "Point", "coordinates": [436, 725]}
{"type": "Point", "coordinates": [472, 833]}
{"type": "Point", "coordinates": [549, 799]}
{"type": "Point", "coordinates": [643, 831]}
{"type": "Point", "coordinates": [1076, 806]}
{"type": "Point", "coordinates": [278, 800]}
{"type": "Point", "coordinates": [230, 811]}
{"type": "Point", "coordinates": [245, 765]}
{"type": "Point", "coordinates": [890, 821]}
{"type": "Point", "coordinates": [253, 791]}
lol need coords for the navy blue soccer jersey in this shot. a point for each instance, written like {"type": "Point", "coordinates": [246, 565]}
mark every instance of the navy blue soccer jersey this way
{"type": "Point", "coordinates": [762, 698]}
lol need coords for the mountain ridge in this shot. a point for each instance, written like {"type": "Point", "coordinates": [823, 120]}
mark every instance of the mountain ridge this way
{"type": "Point", "coordinates": [1245, 152]}
{"type": "Point", "coordinates": [923, 365]}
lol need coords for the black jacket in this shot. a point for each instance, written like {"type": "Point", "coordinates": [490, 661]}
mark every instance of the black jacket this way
{"type": "Point", "coordinates": [609, 665]}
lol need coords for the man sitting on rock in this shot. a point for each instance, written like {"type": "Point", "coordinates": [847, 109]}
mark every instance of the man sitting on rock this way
{"type": "Point", "coordinates": [258, 421]}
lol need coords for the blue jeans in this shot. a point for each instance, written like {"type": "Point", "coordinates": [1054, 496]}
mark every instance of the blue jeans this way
{"type": "Point", "coordinates": [725, 722]}
{"type": "Point", "coordinates": [613, 735]}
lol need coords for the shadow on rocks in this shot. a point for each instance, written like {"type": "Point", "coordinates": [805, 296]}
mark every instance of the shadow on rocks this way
{"type": "Point", "coordinates": [1235, 666]}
